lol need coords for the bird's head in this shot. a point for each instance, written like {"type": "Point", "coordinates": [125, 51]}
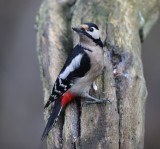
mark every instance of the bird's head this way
{"type": "Point", "coordinates": [89, 32]}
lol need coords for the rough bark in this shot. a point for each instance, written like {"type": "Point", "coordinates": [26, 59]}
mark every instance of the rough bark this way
{"type": "Point", "coordinates": [124, 25]}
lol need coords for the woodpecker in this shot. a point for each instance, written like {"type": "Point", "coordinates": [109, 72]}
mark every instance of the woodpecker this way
{"type": "Point", "coordinates": [83, 65]}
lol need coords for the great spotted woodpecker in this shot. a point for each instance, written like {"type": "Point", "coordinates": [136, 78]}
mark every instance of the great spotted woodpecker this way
{"type": "Point", "coordinates": [82, 67]}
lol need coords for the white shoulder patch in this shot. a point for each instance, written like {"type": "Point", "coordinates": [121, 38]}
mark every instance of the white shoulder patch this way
{"type": "Point", "coordinates": [75, 63]}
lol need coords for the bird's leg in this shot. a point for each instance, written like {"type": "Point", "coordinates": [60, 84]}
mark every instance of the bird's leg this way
{"type": "Point", "coordinates": [94, 100]}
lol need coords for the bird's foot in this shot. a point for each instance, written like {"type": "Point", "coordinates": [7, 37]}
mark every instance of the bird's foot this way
{"type": "Point", "coordinates": [98, 101]}
{"type": "Point", "coordinates": [93, 100]}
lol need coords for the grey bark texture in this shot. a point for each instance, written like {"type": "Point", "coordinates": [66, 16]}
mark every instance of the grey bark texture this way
{"type": "Point", "coordinates": [124, 24]}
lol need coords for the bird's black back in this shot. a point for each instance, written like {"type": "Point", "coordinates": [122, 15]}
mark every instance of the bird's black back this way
{"type": "Point", "coordinates": [59, 89]}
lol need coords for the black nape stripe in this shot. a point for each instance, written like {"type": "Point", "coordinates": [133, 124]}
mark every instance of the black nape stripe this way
{"type": "Point", "coordinates": [97, 41]}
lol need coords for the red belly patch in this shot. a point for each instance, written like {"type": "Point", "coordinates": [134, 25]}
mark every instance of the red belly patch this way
{"type": "Point", "coordinates": [67, 98]}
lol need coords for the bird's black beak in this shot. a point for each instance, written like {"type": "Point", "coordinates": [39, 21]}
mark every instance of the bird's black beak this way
{"type": "Point", "coordinates": [78, 29]}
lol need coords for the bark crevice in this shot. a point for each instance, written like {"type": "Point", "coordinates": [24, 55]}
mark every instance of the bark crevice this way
{"type": "Point", "coordinates": [116, 59]}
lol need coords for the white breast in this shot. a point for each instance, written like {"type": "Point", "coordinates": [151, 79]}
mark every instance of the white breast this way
{"type": "Point", "coordinates": [96, 58]}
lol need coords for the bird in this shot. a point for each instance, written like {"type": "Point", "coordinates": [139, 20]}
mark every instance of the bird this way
{"type": "Point", "coordinates": [83, 65]}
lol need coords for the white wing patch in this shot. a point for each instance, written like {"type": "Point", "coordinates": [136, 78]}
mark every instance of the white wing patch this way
{"type": "Point", "coordinates": [72, 66]}
{"type": "Point", "coordinates": [95, 34]}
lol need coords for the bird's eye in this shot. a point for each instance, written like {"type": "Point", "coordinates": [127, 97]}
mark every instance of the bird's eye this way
{"type": "Point", "coordinates": [91, 29]}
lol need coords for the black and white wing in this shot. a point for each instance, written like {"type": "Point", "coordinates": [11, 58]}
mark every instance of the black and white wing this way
{"type": "Point", "coordinates": [76, 66]}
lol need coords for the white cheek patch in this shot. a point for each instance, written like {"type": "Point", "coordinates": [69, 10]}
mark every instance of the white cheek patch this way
{"type": "Point", "coordinates": [95, 34]}
{"type": "Point", "coordinates": [72, 66]}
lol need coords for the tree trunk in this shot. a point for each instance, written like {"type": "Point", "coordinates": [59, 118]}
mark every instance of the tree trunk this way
{"type": "Point", "coordinates": [124, 24]}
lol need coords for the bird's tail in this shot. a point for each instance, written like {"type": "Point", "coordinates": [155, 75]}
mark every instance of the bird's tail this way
{"type": "Point", "coordinates": [53, 118]}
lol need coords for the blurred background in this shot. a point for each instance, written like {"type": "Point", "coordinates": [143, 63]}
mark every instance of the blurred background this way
{"type": "Point", "coordinates": [21, 95]}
